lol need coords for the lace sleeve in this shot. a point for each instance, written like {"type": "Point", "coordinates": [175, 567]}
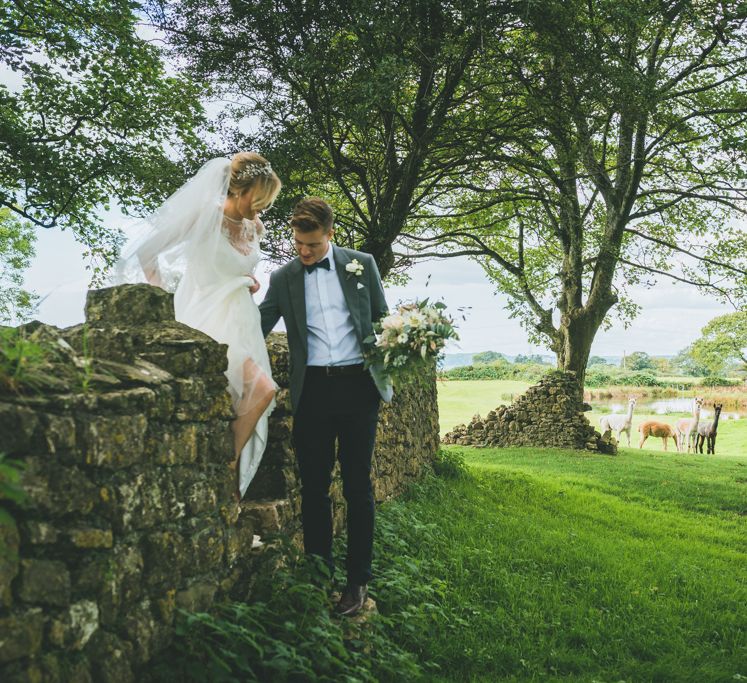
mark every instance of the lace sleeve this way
{"type": "Point", "coordinates": [243, 237]}
{"type": "Point", "coordinates": [259, 228]}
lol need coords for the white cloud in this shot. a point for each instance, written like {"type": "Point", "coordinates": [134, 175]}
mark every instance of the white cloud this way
{"type": "Point", "coordinates": [671, 295]}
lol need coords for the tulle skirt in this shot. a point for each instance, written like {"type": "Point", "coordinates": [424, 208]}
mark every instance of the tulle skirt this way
{"type": "Point", "coordinates": [227, 312]}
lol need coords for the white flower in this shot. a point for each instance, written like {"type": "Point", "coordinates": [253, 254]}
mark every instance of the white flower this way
{"type": "Point", "coordinates": [394, 321]}
{"type": "Point", "coordinates": [414, 319]}
{"type": "Point", "coordinates": [433, 314]}
{"type": "Point", "coordinates": [355, 266]}
{"type": "Point", "coordinates": [402, 339]}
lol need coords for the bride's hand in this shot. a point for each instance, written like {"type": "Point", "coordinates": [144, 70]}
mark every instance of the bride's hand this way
{"type": "Point", "coordinates": [253, 288]}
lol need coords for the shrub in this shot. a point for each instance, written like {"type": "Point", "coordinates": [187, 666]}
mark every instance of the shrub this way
{"type": "Point", "coordinates": [598, 378]}
{"type": "Point", "coordinates": [21, 360]}
{"type": "Point", "coordinates": [501, 369]}
{"type": "Point", "coordinates": [717, 382]}
{"type": "Point", "coordinates": [449, 464]}
{"type": "Point", "coordinates": [639, 379]}
{"type": "Point", "coordinates": [474, 372]}
{"type": "Point", "coordinates": [10, 478]}
{"type": "Point", "coordinates": [603, 377]}
{"type": "Point", "coordinates": [10, 490]}
{"type": "Point", "coordinates": [288, 634]}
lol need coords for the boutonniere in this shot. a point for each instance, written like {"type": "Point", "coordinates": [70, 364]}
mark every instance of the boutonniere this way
{"type": "Point", "coordinates": [355, 267]}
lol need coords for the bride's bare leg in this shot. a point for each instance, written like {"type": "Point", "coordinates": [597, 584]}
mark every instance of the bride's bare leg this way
{"type": "Point", "coordinates": [244, 425]}
{"type": "Point", "coordinates": [262, 393]}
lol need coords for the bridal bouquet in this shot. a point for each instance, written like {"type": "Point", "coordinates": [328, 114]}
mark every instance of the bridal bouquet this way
{"type": "Point", "coordinates": [408, 338]}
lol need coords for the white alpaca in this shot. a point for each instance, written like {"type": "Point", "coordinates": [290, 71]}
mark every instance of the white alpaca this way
{"type": "Point", "coordinates": [687, 427]}
{"type": "Point", "coordinates": [619, 422]}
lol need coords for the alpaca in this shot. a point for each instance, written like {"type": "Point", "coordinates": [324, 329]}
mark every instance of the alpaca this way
{"type": "Point", "coordinates": [658, 429]}
{"type": "Point", "coordinates": [687, 427]}
{"type": "Point", "coordinates": [707, 431]}
{"type": "Point", "coordinates": [620, 423]}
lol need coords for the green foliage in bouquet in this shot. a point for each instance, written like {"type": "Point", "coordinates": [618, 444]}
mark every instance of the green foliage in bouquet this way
{"type": "Point", "coordinates": [410, 338]}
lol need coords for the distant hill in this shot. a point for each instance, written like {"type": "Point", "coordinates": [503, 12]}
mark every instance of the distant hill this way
{"type": "Point", "coordinates": [455, 360]}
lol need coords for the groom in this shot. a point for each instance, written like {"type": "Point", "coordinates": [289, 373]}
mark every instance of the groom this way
{"type": "Point", "coordinates": [329, 297]}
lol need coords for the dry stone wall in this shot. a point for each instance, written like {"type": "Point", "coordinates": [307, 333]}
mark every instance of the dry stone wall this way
{"type": "Point", "coordinates": [549, 414]}
{"type": "Point", "coordinates": [128, 513]}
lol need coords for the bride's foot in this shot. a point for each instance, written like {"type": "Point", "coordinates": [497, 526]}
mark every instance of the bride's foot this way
{"type": "Point", "coordinates": [234, 467]}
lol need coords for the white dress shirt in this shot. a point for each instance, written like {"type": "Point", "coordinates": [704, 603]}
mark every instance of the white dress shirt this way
{"type": "Point", "coordinates": [331, 339]}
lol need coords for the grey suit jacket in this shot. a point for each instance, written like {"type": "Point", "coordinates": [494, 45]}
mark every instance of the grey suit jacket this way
{"type": "Point", "coordinates": [286, 297]}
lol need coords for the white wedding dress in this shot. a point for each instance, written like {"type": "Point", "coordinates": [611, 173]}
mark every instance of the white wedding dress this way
{"type": "Point", "coordinates": [208, 261]}
{"type": "Point", "coordinates": [226, 311]}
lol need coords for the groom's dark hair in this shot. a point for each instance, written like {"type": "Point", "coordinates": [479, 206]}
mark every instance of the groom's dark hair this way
{"type": "Point", "coordinates": [311, 214]}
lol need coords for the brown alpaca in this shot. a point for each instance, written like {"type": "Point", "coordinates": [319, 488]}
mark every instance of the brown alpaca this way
{"type": "Point", "coordinates": [659, 429]}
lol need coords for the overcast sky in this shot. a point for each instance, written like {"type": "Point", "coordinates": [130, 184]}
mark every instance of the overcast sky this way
{"type": "Point", "coordinates": [671, 319]}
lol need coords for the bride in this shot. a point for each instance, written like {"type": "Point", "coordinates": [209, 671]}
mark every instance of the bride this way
{"type": "Point", "coordinates": [202, 244]}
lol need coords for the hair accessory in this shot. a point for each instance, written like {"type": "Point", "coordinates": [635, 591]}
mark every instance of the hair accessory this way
{"type": "Point", "coordinates": [253, 169]}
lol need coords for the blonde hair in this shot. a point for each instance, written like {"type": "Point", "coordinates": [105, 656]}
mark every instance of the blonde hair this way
{"type": "Point", "coordinates": [251, 171]}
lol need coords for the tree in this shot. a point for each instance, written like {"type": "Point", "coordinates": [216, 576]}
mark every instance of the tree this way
{"type": "Point", "coordinates": [533, 358]}
{"type": "Point", "coordinates": [639, 360]}
{"type": "Point", "coordinates": [686, 363]}
{"type": "Point", "coordinates": [370, 105]}
{"type": "Point", "coordinates": [626, 164]}
{"type": "Point", "coordinates": [574, 148]}
{"type": "Point", "coordinates": [596, 360]}
{"type": "Point", "coordinates": [487, 357]}
{"type": "Point", "coordinates": [16, 250]}
{"type": "Point", "coordinates": [723, 340]}
{"type": "Point", "coordinates": [662, 365]}
{"type": "Point", "coordinates": [87, 117]}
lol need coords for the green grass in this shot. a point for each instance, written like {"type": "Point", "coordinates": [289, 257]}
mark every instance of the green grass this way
{"type": "Point", "coordinates": [530, 565]}
{"type": "Point", "coordinates": [524, 564]}
{"type": "Point", "coordinates": [459, 400]}
{"type": "Point", "coordinates": [559, 565]}
{"type": "Point", "coordinates": [681, 379]}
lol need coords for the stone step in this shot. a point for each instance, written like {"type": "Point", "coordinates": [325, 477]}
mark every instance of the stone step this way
{"type": "Point", "coordinates": [369, 608]}
{"type": "Point", "coordinates": [268, 516]}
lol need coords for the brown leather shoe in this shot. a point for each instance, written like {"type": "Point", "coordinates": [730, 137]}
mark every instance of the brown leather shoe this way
{"type": "Point", "coordinates": [353, 598]}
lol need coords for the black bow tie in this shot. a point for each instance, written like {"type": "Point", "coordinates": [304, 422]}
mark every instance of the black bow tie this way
{"type": "Point", "coordinates": [324, 263]}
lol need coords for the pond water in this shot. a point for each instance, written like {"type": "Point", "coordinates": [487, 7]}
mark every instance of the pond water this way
{"type": "Point", "coordinates": [665, 406]}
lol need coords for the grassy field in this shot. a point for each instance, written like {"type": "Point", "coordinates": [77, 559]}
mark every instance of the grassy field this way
{"type": "Point", "coordinates": [515, 564]}
{"type": "Point", "coordinates": [525, 565]}
{"type": "Point", "coordinates": [555, 565]}
{"type": "Point", "coordinates": [459, 400]}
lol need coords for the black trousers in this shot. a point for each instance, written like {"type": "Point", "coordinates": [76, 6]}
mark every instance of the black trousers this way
{"type": "Point", "coordinates": [337, 411]}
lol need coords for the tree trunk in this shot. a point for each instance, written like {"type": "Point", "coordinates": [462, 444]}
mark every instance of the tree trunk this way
{"type": "Point", "coordinates": [382, 253]}
{"type": "Point", "coordinates": [576, 335]}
